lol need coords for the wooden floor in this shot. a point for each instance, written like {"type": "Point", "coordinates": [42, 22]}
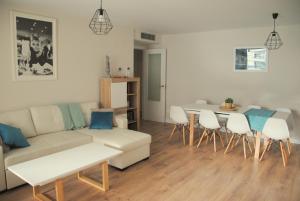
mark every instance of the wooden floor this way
{"type": "Point", "coordinates": [180, 173]}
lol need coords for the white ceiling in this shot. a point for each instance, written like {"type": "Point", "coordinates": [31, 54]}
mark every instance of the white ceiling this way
{"type": "Point", "coordinates": [173, 16]}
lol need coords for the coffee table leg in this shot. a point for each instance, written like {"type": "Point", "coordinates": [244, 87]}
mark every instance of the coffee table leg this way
{"type": "Point", "coordinates": [105, 178]}
{"type": "Point", "coordinates": [59, 189]}
{"type": "Point", "coordinates": [104, 186]}
{"type": "Point", "coordinates": [37, 195]}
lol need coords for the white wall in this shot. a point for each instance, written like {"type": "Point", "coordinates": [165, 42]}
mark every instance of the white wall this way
{"type": "Point", "coordinates": [81, 59]}
{"type": "Point", "coordinates": [200, 65]}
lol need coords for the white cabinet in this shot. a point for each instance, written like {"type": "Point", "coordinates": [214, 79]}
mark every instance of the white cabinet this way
{"type": "Point", "coordinates": [119, 95]}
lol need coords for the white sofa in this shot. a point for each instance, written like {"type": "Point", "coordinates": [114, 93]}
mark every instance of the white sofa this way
{"type": "Point", "coordinates": [44, 129]}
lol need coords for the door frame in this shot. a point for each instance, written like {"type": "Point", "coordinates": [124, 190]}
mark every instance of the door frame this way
{"type": "Point", "coordinates": [163, 53]}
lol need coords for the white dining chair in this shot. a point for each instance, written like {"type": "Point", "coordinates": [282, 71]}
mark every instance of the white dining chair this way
{"type": "Point", "coordinates": [290, 121]}
{"type": "Point", "coordinates": [222, 118]}
{"type": "Point", "coordinates": [179, 117]}
{"type": "Point", "coordinates": [281, 109]}
{"type": "Point", "coordinates": [277, 130]}
{"type": "Point", "coordinates": [200, 101]}
{"type": "Point", "coordinates": [209, 121]}
{"type": "Point", "coordinates": [254, 107]}
{"type": "Point", "coordinates": [238, 124]}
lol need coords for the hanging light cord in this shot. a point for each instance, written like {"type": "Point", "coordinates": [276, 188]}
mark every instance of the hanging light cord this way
{"type": "Point", "coordinates": [101, 4]}
{"type": "Point", "coordinates": [273, 26]}
{"type": "Point", "coordinates": [275, 15]}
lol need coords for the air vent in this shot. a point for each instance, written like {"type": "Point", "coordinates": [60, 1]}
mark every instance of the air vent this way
{"type": "Point", "coordinates": [147, 36]}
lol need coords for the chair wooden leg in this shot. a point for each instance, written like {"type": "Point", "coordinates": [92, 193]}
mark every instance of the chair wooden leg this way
{"type": "Point", "coordinates": [211, 138]}
{"type": "Point", "coordinates": [254, 139]}
{"type": "Point", "coordinates": [233, 143]}
{"type": "Point", "coordinates": [283, 154]}
{"type": "Point", "coordinates": [249, 146]}
{"type": "Point", "coordinates": [229, 144]}
{"type": "Point", "coordinates": [179, 128]}
{"type": "Point", "coordinates": [173, 131]}
{"type": "Point", "coordinates": [244, 146]}
{"type": "Point", "coordinates": [226, 133]}
{"type": "Point", "coordinates": [221, 139]}
{"type": "Point", "coordinates": [207, 136]}
{"type": "Point", "coordinates": [215, 145]}
{"type": "Point", "coordinates": [265, 149]}
{"type": "Point", "coordinates": [183, 134]}
{"type": "Point", "coordinates": [289, 146]}
{"type": "Point", "coordinates": [201, 138]}
{"type": "Point", "coordinates": [270, 145]}
{"type": "Point", "coordinates": [238, 140]}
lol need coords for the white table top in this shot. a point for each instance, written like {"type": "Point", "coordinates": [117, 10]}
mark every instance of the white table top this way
{"type": "Point", "coordinates": [48, 168]}
{"type": "Point", "coordinates": [196, 108]}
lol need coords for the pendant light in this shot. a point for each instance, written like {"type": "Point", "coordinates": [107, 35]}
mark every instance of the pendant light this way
{"type": "Point", "coordinates": [100, 23]}
{"type": "Point", "coordinates": [274, 41]}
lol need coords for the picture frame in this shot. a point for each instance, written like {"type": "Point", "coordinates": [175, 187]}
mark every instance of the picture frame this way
{"type": "Point", "coordinates": [34, 47]}
{"type": "Point", "coordinates": [250, 59]}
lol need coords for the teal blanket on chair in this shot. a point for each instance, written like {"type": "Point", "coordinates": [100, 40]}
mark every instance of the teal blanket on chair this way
{"type": "Point", "coordinates": [258, 117]}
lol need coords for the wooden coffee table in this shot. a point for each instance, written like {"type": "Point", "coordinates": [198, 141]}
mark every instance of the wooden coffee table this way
{"type": "Point", "coordinates": [55, 167]}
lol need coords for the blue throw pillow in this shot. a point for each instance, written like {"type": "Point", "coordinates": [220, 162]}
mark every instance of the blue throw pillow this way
{"type": "Point", "coordinates": [12, 136]}
{"type": "Point", "coordinates": [101, 120]}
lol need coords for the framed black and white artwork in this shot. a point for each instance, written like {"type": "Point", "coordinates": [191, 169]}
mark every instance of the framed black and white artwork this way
{"type": "Point", "coordinates": [251, 59]}
{"type": "Point", "coordinates": [34, 47]}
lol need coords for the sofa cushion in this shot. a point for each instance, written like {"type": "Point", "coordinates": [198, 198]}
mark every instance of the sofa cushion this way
{"type": "Point", "coordinates": [12, 136]}
{"type": "Point", "coordinates": [108, 110]}
{"type": "Point", "coordinates": [101, 120]}
{"type": "Point", "coordinates": [119, 138]}
{"type": "Point", "coordinates": [20, 119]}
{"type": "Point", "coordinates": [47, 119]}
{"type": "Point", "coordinates": [44, 145]}
{"type": "Point", "coordinates": [86, 109]}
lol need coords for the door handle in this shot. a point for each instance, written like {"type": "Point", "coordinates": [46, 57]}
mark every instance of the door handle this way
{"type": "Point", "coordinates": [162, 86]}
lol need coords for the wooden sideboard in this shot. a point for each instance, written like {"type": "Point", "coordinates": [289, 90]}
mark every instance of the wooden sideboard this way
{"type": "Point", "coordinates": [123, 95]}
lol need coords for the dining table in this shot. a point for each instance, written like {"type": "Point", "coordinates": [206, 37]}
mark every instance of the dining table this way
{"type": "Point", "coordinates": [259, 117]}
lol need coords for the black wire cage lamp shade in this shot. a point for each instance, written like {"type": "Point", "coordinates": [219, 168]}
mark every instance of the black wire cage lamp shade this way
{"type": "Point", "coordinates": [274, 41]}
{"type": "Point", "coordinates": [100, 23]}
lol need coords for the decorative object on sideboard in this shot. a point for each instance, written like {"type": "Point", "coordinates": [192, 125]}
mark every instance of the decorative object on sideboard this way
{"type": "Point", "coordinates": [120, 74]}
{"type": "Point", "coordinates": [34, 45]}
{"type": "Point", "coordinates": [228, 103]}
{"type": "Point", "coordinates": [100, 23]}
{"type": "Point", "coordinates": [107, 69]}
{"type": "Point", "coordinates": [128, 72]}
{"type": "Point", "coordinates": [274, 41]}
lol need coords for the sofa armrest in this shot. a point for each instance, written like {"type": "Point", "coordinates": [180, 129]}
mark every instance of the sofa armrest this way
{"type": "Point", "coordinates": [2, 167]}
{"type": "Point", "coordinates": [2, 170]}
{"type": "Point", "coordinates": [122, 121]}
